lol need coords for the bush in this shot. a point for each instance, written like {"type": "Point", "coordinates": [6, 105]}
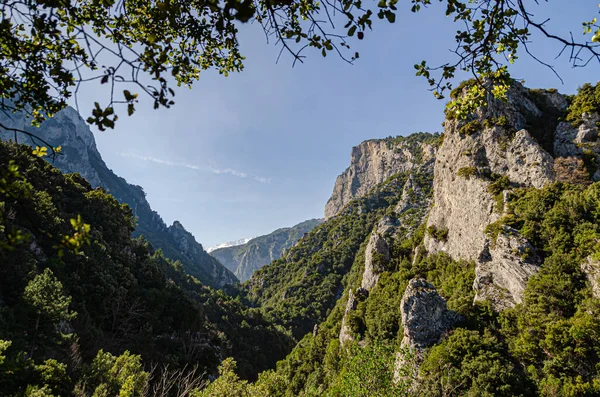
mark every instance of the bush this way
{"type": "Point", "coordinates": [470, 128]}
{"type": "Point", "coordinates": [571, 170]}
{"type": "Point", "coordinates": [467, 172]}
{"type": "Point", "coordinates": [439, 234]}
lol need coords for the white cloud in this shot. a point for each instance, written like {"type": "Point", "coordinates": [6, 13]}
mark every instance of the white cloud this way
{"type": "Point", "coordinates": [211, 168]}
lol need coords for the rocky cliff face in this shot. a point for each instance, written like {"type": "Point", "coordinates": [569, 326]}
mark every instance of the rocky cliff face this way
{"type": "Point", "coordinates": [504, 146]}
{"type": "Point", "coordinates": [80, 154]}
{"type": "Point", "coordinates": [245, 259]}
{"type": "Point", "coordinates": [373, 161]}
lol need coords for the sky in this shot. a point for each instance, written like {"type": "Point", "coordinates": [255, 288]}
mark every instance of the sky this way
{"type": "Point", "coordinates": [243, 155]}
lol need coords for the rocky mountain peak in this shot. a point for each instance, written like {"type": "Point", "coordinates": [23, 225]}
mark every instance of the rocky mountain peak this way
{"type": "Point", "coordinates": [373, 161]}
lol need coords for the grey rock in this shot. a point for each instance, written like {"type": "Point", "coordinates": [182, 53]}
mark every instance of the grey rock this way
{"type": "Point", "coordinates": [345, 332]}
{"type": "Point", "coordinates": [377, 250]}
{"type": "Point", "coordinates": [465, 207]}
{"type": "Point", "coordinates": [245, 259]}
{"type": "Point", "coordinates": [425, 317]}
{"type": "Point", "coordinates": [591, 268]}
{"type": "Point", "coordinates": [575, 141]}
{"type": "Point", "coordinates": [372, 162]}
{"type": "Point", "coordinates": [503, 272]}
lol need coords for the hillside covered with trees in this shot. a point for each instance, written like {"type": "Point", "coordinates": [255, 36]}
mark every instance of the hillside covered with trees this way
{"type": "Point", "coordinates": [85, 308]}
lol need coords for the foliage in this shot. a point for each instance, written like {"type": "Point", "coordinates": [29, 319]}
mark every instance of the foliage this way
{"type": "Point", "coordinates": [438, 233]}
{"type": "Point", "coordinates": [114, 294]}
{"type": "Point", "coordinates": [470, 128]}
{"type": "Point", "coordinates": [587, 100]}
{"type": "Point", "coordinates": [368, 372]}
{"type": "Point", "coordinates": [571, 170]}
{"type": "Point", "coordinates": [300, 290]}
{"type": "Point", "coordinates": [470, 364]}
{"type": "Point", "coordinates": [49, 48]}
{"type": "Point", "coordinates": [467, 172]}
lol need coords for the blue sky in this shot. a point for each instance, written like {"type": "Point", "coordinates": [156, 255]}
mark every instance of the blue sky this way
{"type": "Point", "coordinates": [244, 155]}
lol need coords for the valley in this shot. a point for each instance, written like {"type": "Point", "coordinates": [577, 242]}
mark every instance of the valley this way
{"type": "Point", "coordinates": [460, 263]}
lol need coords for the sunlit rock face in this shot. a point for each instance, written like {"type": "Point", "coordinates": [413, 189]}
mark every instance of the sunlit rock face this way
{"type": "Point", "coordinates": [517, 141]}
{"type": "Point", "coordinates": [371, 163]}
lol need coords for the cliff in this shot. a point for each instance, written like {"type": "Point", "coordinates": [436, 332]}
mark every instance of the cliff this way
{"type": "Point", "coordinates": [80, 154]}
{"type": "Point", "coordinates": [373, 161]}
{"type": "Point", "coordinates": [245, 259]}
{"type": "Point", "coordinates": [520, 143]}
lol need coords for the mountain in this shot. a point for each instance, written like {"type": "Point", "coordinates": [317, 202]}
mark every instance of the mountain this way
{"type": "Point", "coordinates": [372, 162]}
{"type": "Point", "coordinates": [300, 290]}
{"type": "Point", "coordinates": [87, 307]}
{"type": "Point", "coordinates": [229, 244]}
{"type": "Point", "coordinates": [458, 264]}
{"type": "Point", "coordinates": [475, 272]}
{"type": "Point", "coordinates": [245, 259]}
{"type": "Point", "coordinates": [79, 154]}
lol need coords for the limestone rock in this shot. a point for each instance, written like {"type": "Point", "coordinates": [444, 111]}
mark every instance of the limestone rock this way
{"type": "Point", "coordinates": [372, 162]}
{"type": "Point", "coordinates": [377, 253]}
{"type": "Point", "coordinates": [581, 141]}
{"type": "Point", "coordinates": [504, 270]}
{"type": "Point", "coordinates": [591, 268]}
{"type": "Point", "coordinates": [425, 317]}
{"type": "Point", "coordinates": [345, 332]}
{"type": "Point", "coordinates": [463, 204]}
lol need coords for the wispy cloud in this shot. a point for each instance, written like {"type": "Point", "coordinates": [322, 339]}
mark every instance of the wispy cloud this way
{"type": "Point", "coordinates": [210, 168]}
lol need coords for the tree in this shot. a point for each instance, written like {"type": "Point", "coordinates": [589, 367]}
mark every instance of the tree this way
{"type": "Point", "coordinates": [48, 48]}
{"type": "Point", "coordinates": [45, 294]}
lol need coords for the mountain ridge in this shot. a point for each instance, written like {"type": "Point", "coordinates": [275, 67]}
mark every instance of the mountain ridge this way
{"type": "Point", "coordinates": [80, 154]}
{"type": "Point", "coordinates": [245, 259]}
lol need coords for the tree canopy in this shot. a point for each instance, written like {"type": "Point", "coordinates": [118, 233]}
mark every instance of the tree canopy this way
{"type": "Point", "coordinates": [49, 48]}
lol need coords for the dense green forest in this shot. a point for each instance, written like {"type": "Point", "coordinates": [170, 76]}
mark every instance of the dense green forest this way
{"type": "Point", "coordinates": [86, 308]}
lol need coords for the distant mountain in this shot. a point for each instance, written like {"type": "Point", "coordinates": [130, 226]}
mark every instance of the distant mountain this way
{"type": "Point", "coordinates": [80, 154]}
{"type": "Point", "coordinates": [245, 259]}
{"type": "Point", "coordinates": [229, 244]}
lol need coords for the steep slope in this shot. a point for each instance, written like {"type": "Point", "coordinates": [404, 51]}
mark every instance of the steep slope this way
{"type": "Point", "coordinates": [495, 293]}
{"type": "Point", "coordinates": [503, 147]}
{"type": "Point", "coordinates": [300, 289]}
{"type": "Point", "coordinates": [245, 259]}
{"type": "Point", "coordinates": [372, 162]}
{"type": "Point", "coordinates": [79, 154]}
{"type": "Point", "coordinates": [69, 293]}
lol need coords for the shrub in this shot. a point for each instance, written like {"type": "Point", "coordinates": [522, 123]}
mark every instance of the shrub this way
{"type": "Point", "coordinates": [470, 128]}
{"type": "Point", "coordinates": [571, 170]}
{"type": "Point", "coordinates": [587, 100]}
{"type": "Point", "coordinates": [467, 172]}
{"type": "Point", "coordinates": [440, 234]}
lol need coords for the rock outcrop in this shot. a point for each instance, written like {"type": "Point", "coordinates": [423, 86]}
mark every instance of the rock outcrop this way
{"type": "Point", "coordinates": [373, 161]}
{"type": "Point", "coordinates": [504, 269]}
{"type": "Point", "coordinates": [591, 268]}
{"type": "Point", "coordinates": [580, 141]}
{"type": "Point", "coordinates": [512, 141]}
{"type": "Point", "coordinates": [425, 317]}
{"type": "Point", "coordinates": [346, 334]}
{"type": "Point", "coordinates": [245, 259]}
{"type": "Point", "coordinates": [80, 154]}
{"type": "Point", "coordinates": [377, 254]}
